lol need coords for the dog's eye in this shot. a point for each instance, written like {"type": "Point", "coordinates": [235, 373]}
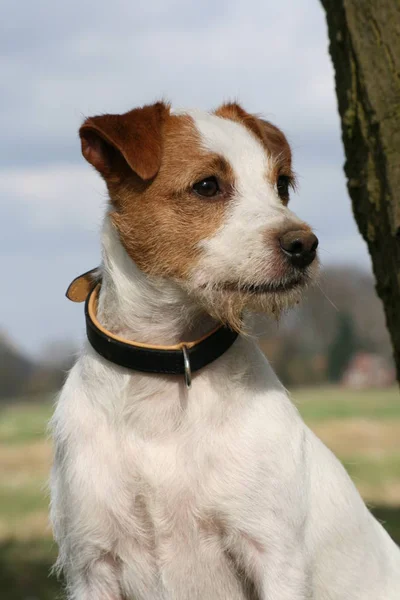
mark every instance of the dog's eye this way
{"type": "Point", "coordinates": [282, 186]}
{"type": "Point", "coordinates": [207, 187]}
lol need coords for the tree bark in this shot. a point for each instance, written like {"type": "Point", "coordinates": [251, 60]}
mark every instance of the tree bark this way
{"type": "Point", "coordinates": [365, 50]}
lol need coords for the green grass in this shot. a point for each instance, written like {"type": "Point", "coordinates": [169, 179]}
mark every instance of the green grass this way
{"type": "Point", "coordinates": [389, 516]}
{"type": "Point", "coordinates": [321, 403]}
{"type": "Point", "coordinates": [24, 422]}
{"type": "Point", "coordinates": [374, 472]}
{"type": "Point", "coordinates": [27, 551]}
{"type": "Point", "coordinates": [15, 504]}
{"type": "Point", "coordinates": [25, 570]}
{"type": "Point", "coordinates": [354, 420]}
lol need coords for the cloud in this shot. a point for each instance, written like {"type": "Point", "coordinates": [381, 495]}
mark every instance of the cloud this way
{"type": "Point", "coordinates": [54, 197]}
{"type": "Point", "coordinates": [64, 62]}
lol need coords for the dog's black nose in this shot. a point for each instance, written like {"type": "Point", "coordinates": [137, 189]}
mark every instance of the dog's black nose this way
{"type": "Point", "coordinates": [300, 247]}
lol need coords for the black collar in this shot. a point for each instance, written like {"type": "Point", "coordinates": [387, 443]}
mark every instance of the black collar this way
{"type": "Point", "coordinates": [180, 359]}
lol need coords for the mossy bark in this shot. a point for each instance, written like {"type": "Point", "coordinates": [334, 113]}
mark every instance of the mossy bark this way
{"type": "Point", "coordinates": [365, 50]}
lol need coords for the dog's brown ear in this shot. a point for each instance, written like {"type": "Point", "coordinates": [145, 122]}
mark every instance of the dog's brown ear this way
{"type": "Point", "coordinates": [232, 110]}
{"type": "Point", "coordinates": [136, 135]}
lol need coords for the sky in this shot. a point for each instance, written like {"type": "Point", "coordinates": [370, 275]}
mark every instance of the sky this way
{"type": "Point", "coordinates": [62, 62]}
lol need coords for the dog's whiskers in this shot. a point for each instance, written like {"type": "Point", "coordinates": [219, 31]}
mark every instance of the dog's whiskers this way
{"type": "Point", "coordinates": [327, 297]}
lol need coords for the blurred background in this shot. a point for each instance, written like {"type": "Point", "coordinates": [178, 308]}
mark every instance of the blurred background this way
{"type": "Point", "coordinates": [61, 62]}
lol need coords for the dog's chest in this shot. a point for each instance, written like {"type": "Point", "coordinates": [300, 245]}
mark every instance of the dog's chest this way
{"type": "Point", "coordinates": [185, 475]}
{"type": "Point", "coordinates": [177, 521]}
{"type": "Point", "coordinates": [186, 471]}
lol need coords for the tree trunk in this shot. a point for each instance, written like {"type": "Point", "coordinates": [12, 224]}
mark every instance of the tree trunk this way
{"type": "Point", "coordinates": [365, 50]}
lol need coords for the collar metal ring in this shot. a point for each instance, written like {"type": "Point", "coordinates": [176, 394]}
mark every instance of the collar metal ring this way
{"type": "Point", "coordinates": [188, 371]}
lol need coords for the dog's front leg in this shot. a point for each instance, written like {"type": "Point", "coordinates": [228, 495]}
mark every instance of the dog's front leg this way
{"type": "Point", "coordinates": [98, 581]}
{"type": "Point", "coordinates": [285, 577]}
{"type": "Point", "coordinates": [85, 498]}
{"type": "Point", "coordinates": [274, 565]}
{"type": "Point", "coordinates": [279, 557]}
{"type": "Point", "coordinates": [91, 573]}
{"type": "Point", "coordinates": [265, 530]}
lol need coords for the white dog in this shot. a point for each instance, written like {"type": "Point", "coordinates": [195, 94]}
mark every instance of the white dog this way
{"type": "Point", "coordinates": [220, 491]}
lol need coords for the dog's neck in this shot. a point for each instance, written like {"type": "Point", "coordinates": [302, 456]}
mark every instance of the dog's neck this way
{"type": "Point", "coordinates": [142, 308]}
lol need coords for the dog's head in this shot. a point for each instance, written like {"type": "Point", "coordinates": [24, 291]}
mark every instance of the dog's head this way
{"type": "Point", "coordinates": [201, 198]}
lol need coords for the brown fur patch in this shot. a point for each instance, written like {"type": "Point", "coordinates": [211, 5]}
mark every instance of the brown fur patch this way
{"type": "Point", "coordinates": [271, 137]}
{"type": "Point", "coordinates": [162, 221]}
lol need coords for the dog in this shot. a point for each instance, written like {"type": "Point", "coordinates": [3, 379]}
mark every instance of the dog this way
{"type": "Point", "coordinates": [182, 470]}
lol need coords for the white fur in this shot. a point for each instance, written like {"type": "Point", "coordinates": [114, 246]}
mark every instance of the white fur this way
{"type": "Point", "coordinates": [238, 251]}
{"type": "Point", "coordinates": [159, 493]}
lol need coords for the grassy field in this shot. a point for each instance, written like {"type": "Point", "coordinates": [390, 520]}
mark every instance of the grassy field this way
{"type": "Point", "coordinates": [363, 429]}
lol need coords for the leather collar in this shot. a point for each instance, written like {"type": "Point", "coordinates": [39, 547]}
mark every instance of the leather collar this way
{"type": "Point", "coordinates": [180, 359]}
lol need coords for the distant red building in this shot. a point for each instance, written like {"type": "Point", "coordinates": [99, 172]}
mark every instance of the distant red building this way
{"type": "Point", "coordinates": [368, 370]}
